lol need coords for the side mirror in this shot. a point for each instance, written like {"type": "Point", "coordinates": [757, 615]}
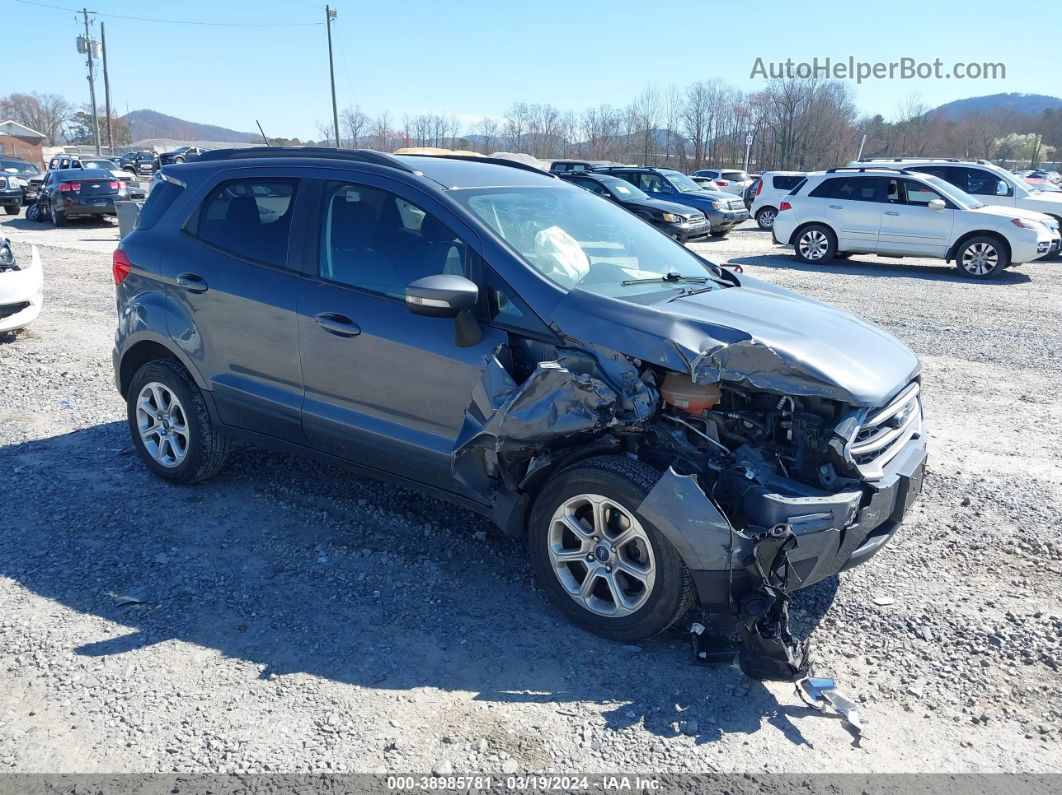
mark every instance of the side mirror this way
{"type": "Point", "coordinates": [448, 296]}
{"type": "Point", "coordinates": [937, 204]}
{"type": "Point", "coordinates": [441, 296]}
{"type": "Point", "coordinates": [1002, 188]}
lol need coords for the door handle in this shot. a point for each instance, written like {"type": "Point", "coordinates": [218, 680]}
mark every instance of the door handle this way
{"type": "Point", "coordinates": [835, 207]}
{"type": "Point", "coordinates": [192, 282]}
{"type": "Point", "coordinates": [340, 325]}
{"type": "Point", "coordinates": [891, 212]}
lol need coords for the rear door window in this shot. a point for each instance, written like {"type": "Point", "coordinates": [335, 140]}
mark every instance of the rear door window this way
{"type": "Point", "coordinates": [866, 189]}
{"type": "Point", "coordinates": [250, 218]}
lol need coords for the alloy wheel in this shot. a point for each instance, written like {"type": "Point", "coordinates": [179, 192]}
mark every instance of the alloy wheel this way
{"type": "Point", "coordinates": [813, 244]}
{"type": "Point", "coordinates": [162, 424]}
{"type": "Point", "coordinates": [766, 218]}
{"type": "Point", "coordinates": [980, 259]}
{"type": "Point", "coordinates": [601, 555]}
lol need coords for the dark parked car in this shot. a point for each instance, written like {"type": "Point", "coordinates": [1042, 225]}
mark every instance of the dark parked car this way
{"type": "Point", "coordinates": [79, 192]}
{"type": "Point", "coordinates": [181, 154]}
{"type": "Point", "coordinates": [661, 430]}
{"type": "Point", "coordinates": [574, 166]}
{"type": "Point", "coordinates": [27, 178]}
{"type": "Point", "coordinates": [723, 210]}
{"type": "Point", "coordinates": [139, 162]}
{"type": "Point", "coordinates": [677, 220]}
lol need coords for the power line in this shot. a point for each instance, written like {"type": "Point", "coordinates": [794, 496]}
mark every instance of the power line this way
{"type": "Point", "coordinates": [178, 21]}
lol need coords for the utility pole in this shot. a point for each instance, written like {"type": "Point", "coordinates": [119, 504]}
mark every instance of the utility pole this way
{"type": "Point", "coordinates": [92, 82]}
{"type": "Point", "coordinates": [330, 14]}
{"type": "Point", "coordinates": [106, 90]}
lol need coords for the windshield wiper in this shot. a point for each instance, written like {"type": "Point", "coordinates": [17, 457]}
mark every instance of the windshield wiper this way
{"type": "Point", "coordinates": [671, 277]}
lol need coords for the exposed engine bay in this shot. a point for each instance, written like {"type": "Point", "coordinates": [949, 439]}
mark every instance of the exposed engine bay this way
{"type": "Point", "coordinates": [750, 475]}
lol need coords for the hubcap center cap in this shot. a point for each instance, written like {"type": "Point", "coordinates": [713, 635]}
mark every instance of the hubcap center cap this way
{"type": "Point", "coordinates": [603, 552]}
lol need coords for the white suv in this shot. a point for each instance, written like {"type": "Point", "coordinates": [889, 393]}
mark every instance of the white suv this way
{"type": "Point", "coordinates": [732, 180]}
{"type": "Point", "coordinates": [869, 210]}
{"type": "Point", "coordinates": [983, 180]}
{"type": "Point", "coordinates": [770, 190]}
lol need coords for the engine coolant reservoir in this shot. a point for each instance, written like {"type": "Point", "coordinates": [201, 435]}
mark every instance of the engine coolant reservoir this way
{"type": "Point", "coordinates": [678, 390]}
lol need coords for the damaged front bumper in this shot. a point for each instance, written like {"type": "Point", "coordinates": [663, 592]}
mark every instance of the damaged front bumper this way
{"type": "Point", "coordinates": [833, 532]}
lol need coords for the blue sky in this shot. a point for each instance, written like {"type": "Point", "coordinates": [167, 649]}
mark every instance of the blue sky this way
{"type": "Point", "coordinates": [473, 58]}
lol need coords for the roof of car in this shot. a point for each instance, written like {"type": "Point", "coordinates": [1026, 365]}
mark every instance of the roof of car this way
{"type": "Point", "coordinates": [81, 173]}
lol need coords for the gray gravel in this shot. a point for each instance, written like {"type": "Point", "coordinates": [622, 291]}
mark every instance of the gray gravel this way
{"type": "Point", "coordinates": [291, 617]}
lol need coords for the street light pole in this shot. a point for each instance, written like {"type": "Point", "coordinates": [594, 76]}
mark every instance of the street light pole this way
{"type": "Point", "coordinates": [330, 14]}
{"type": "Point", "coordinates": [106, 91]}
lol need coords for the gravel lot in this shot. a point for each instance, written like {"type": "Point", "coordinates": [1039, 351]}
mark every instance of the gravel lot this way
{"type": "Point", "coordinates": [291, 617]}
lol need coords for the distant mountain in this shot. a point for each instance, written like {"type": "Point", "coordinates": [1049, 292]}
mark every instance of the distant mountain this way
{"type": "Point", "coordinates": [1007, 104]}
{"type": "Point", "coordinates": [152, 124]}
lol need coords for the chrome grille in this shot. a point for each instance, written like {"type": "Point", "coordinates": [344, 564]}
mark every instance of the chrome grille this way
{"type": "Point", "coordinates": [885, 432]}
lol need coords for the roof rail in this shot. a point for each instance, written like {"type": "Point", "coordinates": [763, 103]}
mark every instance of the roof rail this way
{"type": "Point", "coordinates": [318, 152]}
{"type": "Point", "coordinates": [497, 161]}
{"type": "Point", "coordinates": [905, 159]}
{"type": "Point", "coordinates": [863, 170]}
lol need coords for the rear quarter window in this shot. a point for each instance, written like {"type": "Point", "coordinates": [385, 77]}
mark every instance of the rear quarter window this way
{"type": "Point", "coordinates": [786, 182]}
{"type": "Point", "coordinates": [158, 202]}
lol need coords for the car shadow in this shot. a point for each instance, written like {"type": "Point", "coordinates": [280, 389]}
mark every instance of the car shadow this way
{"type": "Point", "coordinates": [860, 267]}
{"type": "Point", "coordinates": [297, 567]}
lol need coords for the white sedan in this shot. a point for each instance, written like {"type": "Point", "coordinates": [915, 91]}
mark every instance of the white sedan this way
{"type": "Point", "coordinates": [21, 288]}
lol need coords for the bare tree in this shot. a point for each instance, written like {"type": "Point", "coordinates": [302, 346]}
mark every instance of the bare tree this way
{"type": "Point", "coordinates": [354, 123]}
{"type": "Point", "coordinates": [45, 113]}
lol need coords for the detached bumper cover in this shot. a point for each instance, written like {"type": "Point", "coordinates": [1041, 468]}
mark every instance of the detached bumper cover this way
{"type": "Point", "coordinates": [21, 294]}
{"type": "Point", "coordinates": [833, 532]}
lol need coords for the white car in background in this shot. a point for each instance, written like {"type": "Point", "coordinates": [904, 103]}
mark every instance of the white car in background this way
{"type": "Point", "coordinates": [21, 288]}
{"type": "Point", "coordinates": [771, 188]}
{"type": "Point", "coordinates": [870, 210]}
{"type": "Point", "coordinates": [984, 181]}
{"type": "Point", "coordinates": [731, 180]}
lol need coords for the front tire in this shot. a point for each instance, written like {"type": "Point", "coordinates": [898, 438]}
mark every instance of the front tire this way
{"type": "Point", "coordinates": [765, 218]}
{"type": "Point", "coordinates": [602, 564]}
{"type": "Point", "coordinates": [13, 209]}
{"type": "Point", "coordinates": [171, 426]}
{"type": "Point", "coordinates": [815, 244]}
{"type": "Point", "coordinates": [981, 257]}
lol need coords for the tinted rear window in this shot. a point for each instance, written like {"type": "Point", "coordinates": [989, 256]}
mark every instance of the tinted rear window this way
{"type": "Point", "coordinates": [250, 218]}
{"type": "Point", "coordinates": [158, 202]}
{"type": "Point", "coordinates": [735, 176]}
{"type": "Point", "coordinates": [787, 182]}
{"type": "Point", "coordinates": [851, 188]}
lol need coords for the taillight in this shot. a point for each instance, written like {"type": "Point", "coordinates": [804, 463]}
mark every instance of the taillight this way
{"type": "Point", "coordinates": [69, 187]}
{"type": "Point", "coordinates": [114, 185]}
{"type": "Point", "coordinates": [784, 206]}
{"type": "Point", "coordinates": [721, 183]}
{"type": "Point", "coordinates": [759, 187]}
{"type": "Point", "coordinates": [120, 266]}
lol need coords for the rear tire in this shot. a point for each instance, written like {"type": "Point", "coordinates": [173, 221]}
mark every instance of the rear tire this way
{"type": "Point", "coordinates": [171, 425]}
{"type": "Point", "coordinates": [765, 218]}
{"type": "Point", "coordinates": [815, 244]}
{"type": "Point", "coordinates": [13, 209]}
{"type": "Point", "coordinates": [981, 257]}
{"type": "Point", "coordinates": [58, 218]}
{"type": "Point", "coordinates": [598, 499]}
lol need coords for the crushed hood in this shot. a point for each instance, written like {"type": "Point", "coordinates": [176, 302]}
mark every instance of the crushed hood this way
{"type": "Point", "coordinates": [756, 335]}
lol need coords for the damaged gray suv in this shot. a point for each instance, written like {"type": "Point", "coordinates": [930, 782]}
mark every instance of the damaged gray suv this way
{"type": "Point", "coordinates": [662, 431]}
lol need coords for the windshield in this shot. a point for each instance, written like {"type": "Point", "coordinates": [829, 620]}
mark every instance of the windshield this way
{"type": "Point", "coordinates": [106, 165]}
{"type": "Point", "coordinates": [682, 183]}
{"type": "Point", "coordinates": [960, 197]}
{"type": "Point", "coordinates": [622, 189]}
{"type": "Point", "coordinates": [575, 239]}
{"type": "Point", "coordinates": [18, 167]}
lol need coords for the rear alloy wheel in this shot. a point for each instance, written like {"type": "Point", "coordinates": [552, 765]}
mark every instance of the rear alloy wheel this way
{"type": "Point", "coordinates": [981, 258]}
{"type": "Point", "coordinates": [171, 426]}
{"type": "Point", "coordinates": [815, 244]}
{"type": "Point", "coordinates": [765, 217]}
{"type": "Point", "coordinates": [601, 563]}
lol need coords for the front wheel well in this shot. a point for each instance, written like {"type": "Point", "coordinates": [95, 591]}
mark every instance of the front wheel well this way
{"type": "Point", "coordinates": [139, 355]}
{"type": "Point", "coordinates": [979, 233]}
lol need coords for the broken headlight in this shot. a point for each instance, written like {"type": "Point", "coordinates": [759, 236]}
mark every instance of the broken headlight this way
{"type": "Point", "coordinates": [7, 256]}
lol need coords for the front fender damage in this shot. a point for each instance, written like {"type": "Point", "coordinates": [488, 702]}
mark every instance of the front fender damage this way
{"type": "Point", "coordinates": [584, 393]}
